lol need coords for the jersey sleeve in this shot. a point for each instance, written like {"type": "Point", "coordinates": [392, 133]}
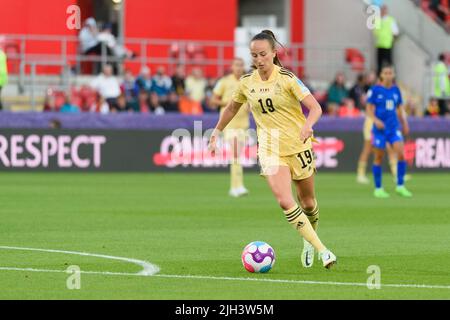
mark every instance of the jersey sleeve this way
{"type": "Point", "coordinates": [371, 96]}
{"type": "Point", "coordinates": [298, 89]}
{"type": "Point", "coordinates": [238, 94]}
{"type": "Point", "coordinates": [219, 88]}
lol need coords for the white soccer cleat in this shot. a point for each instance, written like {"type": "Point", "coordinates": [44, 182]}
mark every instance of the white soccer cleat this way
{"type": "Point", "coordinates": [328, 259]}
{"type": "Point", "coordinates": [362, 180]}
{"type": "Point", "coordinates": [238, 192]}
{"type": "Point", "coordinates": [242, 191]}
{"type": "Point", "coordinates": [307, 254]}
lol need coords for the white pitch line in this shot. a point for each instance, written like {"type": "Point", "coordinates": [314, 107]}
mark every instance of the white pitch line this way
{"type": "Point", "coordinates": [148, 268]}
{"type": "Point", "coordinates": [304, 282]}
{"type": "Point", "coordinates": [106, 273]}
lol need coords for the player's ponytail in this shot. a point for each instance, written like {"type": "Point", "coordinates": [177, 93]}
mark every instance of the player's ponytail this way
{"type": "Point", "coordinates": [270, 36]}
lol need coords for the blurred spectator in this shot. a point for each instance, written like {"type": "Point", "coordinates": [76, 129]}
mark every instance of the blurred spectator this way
{"type": "Point", "coordinates": [106, 36]}
{"type": "Point", "coordinates": [3, 74]}
{"type": "Point", "coordinates": [68, 107]}
{"type": "Point", "coordinates": [208, 105]}
{"type": "Point", "coordinates": [172, 102]}
{"type": "Point", "coordinates": [127, 86]}
{"type": "Point", "coordinates": [433, 109]}
{"type": "Point", "coordinates": [107, 85]}
{"type": "Point", "coordinates": [196, 85]}
{"type": "Point", "coordinates": [370, 80]}
{"type": "Point", "coordinates": [122, 105]}
{"type": "Point", "coordinates": [155, 104]}
{"type": "Point", "coordinates": [440, 10]}
{"type": "Point", "coordinates": [161, 85]}
{"type": "Point", "coordinates": [385, 31]}
{"type": "Point", "coordinates": [441, 84]}
{"type": "Point", "coordinates": [49, 103]}
{"type": "Point", "coordinates": [100, 105]}
{"type": "Point", "coordinates": [348, 109]}
{"type": "Point", "coordinates": [358, 92]}
{"type": "Point", "coordinates": [90, 43]}
{"type": "Point", "coordinates": [88, 37]}
{"type": "Point", "coordinates": [336, 94]}
{"type": "Point", "coordinates": [143, 81]}
{"type": "Point", "coordinates": [411, 101]}
{"type": "Point", "coordinates": [189, 106]}
{"type": "Point", "coordinates": [178, 81]}
{"type": "Point", "coordinates": [142, 103]}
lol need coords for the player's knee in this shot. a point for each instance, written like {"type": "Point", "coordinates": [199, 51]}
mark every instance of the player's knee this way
{"type": "Point", "coordinates": [308, 204]}
{"type": "Point", "coordinates": [285, 203]}
{"type": "Point", "coordinates": [378, 159]}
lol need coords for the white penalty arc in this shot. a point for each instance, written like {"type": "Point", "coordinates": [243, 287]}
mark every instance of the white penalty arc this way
{"type": "Point", "coordinates": [148, 269]}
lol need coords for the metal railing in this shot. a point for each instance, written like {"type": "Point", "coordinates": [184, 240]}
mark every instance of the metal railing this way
{"type": "Point", "coordinates": [318, 62]}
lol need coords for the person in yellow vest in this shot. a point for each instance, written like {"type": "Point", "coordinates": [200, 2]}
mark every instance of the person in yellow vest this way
{"type": "Point", "coordinates": [3, 74]}
{"type": "Point", "coordinates": [441, 85]}
{"type": "Point", "coordinates": [385, 31]}
{"type": "Point", "coordinates": [235, 134]}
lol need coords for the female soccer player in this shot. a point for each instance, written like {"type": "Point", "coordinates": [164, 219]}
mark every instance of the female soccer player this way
{"type": "Point", "coordinates": [284, 139]}
{"type": "Point", "coordinates": [235, 133]}
{"type": "Point", "coordinates": [384, 107]}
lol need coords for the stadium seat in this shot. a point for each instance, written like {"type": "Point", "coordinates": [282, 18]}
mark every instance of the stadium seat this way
{"type": "Point", "coordinates": [88, 97]}
{"type": "Point", "coordinates": [355, 58]}
{"type": "Point", "coordinates": [174, 50]}
{"type": "Point", "coordinates": [285, 56]}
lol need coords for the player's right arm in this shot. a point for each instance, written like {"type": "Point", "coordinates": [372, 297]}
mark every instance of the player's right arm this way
{"type": "Point", "coordinates": [228, 114]}
{"type": "Point", "coordinates": [370, 111]}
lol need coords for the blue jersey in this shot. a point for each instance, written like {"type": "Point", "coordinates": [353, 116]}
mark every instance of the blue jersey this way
{"type": "Point", "coordinates": [386, 102]}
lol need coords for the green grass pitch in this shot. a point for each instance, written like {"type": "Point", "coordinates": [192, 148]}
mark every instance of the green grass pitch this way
{"type": "Point", "coordinates": [187, 225]}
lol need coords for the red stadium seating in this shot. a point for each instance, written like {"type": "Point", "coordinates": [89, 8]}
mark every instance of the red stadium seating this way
{"type": "Point", "coordinates": [355, 58]}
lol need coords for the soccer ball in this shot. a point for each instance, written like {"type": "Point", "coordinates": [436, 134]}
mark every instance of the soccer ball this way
{"type": "Point", "coordinates": [258, 256]}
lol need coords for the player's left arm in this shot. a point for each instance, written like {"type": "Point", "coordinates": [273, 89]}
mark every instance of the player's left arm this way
{"type": "Point", "coordinates": [401, 113]}
{"type": "Point", "coordinates": [303, 95]}
{"type": "Point", "coordinates": [315, 112]}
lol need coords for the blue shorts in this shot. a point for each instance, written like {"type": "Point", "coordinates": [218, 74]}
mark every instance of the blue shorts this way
{"type": "Point", "coordinates": [379, 139]}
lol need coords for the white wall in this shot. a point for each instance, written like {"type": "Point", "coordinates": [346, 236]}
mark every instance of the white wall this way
{"type": "Point", "coordinates": [338, 24]}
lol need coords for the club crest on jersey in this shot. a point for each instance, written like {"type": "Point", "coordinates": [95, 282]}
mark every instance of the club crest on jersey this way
{"type": "Point", "coordinates": [277, 89]}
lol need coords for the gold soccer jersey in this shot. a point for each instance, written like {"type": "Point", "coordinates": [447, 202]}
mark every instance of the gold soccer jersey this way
{"type": "Point", "coordinates": [225, 88]}
{"type": "Point", "coordinates": [276, 109]}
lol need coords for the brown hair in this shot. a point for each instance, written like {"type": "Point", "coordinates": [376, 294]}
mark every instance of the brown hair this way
{"type": "Point", "coordinates": [384, 66]}
{"type": "Point", "coordinates": [269, 36]}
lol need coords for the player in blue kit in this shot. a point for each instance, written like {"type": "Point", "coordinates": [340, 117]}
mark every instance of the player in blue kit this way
{"type": "Point", "coordinates": [385, 108]}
